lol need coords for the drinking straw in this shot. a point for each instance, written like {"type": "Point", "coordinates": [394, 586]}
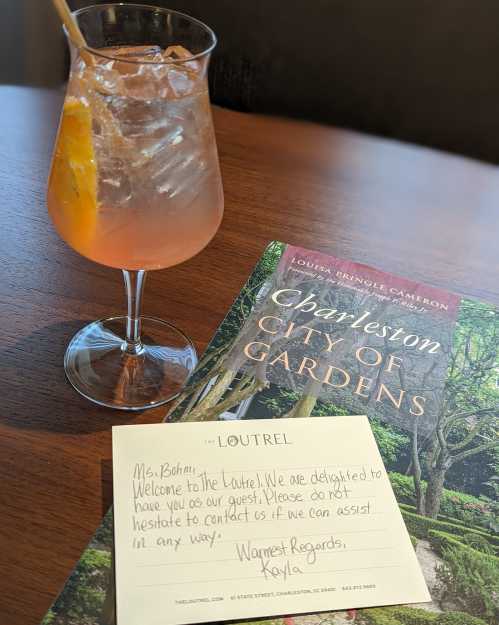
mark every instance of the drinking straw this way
{"type": "Point", "coordinates": [72, 27]}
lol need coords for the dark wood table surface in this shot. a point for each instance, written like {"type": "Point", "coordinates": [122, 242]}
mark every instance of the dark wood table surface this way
{"type": "Point", "coordinates": [425, 215]}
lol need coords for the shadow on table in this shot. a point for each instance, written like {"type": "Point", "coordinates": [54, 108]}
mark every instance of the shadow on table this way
{"type": "Point", "coordinates": [34, 392]}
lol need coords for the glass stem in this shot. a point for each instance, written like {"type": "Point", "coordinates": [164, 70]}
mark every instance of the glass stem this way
{"type": "Point", "coordinates": [134, 285]}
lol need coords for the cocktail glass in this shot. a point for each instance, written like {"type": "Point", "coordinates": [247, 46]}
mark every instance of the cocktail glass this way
{"type": "Point", "coordinates": [135, 184]}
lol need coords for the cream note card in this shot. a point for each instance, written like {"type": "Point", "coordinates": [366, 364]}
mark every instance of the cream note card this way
{"type": "Point", "coordinates": [231, 520]}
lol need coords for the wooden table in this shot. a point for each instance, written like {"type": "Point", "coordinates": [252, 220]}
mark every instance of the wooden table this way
{"type": "Point", "coordinates": [419, 213]}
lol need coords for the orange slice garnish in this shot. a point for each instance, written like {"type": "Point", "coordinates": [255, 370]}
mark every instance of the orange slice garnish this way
{"type": "Point", "coordinates": [73, 179]}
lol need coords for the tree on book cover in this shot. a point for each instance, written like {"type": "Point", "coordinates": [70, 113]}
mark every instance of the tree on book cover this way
{"type": "Point", "coordinates": [310, 335]}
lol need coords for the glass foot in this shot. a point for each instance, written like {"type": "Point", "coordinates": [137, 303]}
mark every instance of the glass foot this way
{"type": "Point", "coordinates": [99, 367]}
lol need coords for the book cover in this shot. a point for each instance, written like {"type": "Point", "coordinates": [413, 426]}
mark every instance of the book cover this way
{"type": "Point", "coordinates": [311, 335]}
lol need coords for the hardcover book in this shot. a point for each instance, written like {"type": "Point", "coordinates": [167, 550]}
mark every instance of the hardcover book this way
{"type": "Point", "coordinates": [313, 335]}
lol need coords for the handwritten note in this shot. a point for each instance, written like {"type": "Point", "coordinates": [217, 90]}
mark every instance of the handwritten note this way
{"type": "Point", "coordinates": [228, 520]}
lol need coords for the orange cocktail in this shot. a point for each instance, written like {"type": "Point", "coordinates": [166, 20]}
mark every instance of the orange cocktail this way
{"type": "Point", "coordinates": [135, 181]}
{"type": "Point", "coordinates": [135, 185]}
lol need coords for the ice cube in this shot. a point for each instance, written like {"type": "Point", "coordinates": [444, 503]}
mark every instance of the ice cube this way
{"type": "Point", "coordinates": [105, 79]}
{"type": "Point", "coordinates": [181, 81]}
{"type": "Point", "coordinates": [160, 145]}
{"type": "Point", "coordinates": [108, 136]}
{"type": "Point", "coordinates": [176, 52]}
{"type": "Point", "coordinates": [134, 63]}
{"type": "Point", "coordinates": [138, 117]}
{"type": "Point", "coordinates": [179, 53]}
{"type": "Point", "coordinates": [136, 58]}
{"type": "Point", "coordinates": [144, 72]}
{"type": "Point", "coordinates": [144, 52]}
{"type": "Point", "coordinates": [141, 83]}
{"type": "Point", "coordinates": [114, 182]}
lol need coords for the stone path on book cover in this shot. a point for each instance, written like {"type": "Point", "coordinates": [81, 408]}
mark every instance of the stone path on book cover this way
{"type": "Point", "coordinates": [429, 561]}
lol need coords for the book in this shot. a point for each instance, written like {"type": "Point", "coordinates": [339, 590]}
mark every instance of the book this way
{"type": "Point", "coordinates": [313, 335]}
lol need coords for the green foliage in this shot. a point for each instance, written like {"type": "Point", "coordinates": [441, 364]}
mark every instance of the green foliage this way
{"type": "Point", "coordinates": [471, 578]}
{"type": "Point", "coordinates": [379, 616]}
{"type": "Point", "coordinates": [326, 409]}
{"type": "Point", "coordinates": [468, 576]}
{"type": "Point", "coordinates": [413, 616]}
{"type": "Point", "coordinates": [104, 534]}
{"type": "Point", "coordinates": [465, 527]}
{"type": "Point", "coordinates": [468, 423]}
{"type": "Point", "coordinates": [493, 503]}
{"type": "Point", "coordinates": [235, 318]}
{"type": "Point", "coordinates": [467, 508]}
{"type": "Point", "coordinates": [408, 508]}
{"type": "Point", "coordinates": [479, 543]}
{"type": "Point", "coordinates": [84, 593]}
{"type": "Point", "coordinates": [420, 526]}
{"type": "Point", "coordinates": [49, 618]}
{"type": "Point", "coordinates": [471, 377]}
{"type": "Point", "coordinates": [246, 299]}
{"type": "Point", "coordinates": [403, 487]}
{"type": "Point", "coordinates": [281, 402]}
{"type": "Point", "coordinates": [455, 505]}
{"type": "Point", "coordinates": [458, 618]}
{"type": "Point", "coordinates": [403, 615]}
{"type": "Point", "coordinates": [414, 540]}
{"type": "Point", "coordinates": [465, 433]}
{"type": "Point", "coordinates": [392, 444]}
{"type": "Point", "coordinates": [442, 540]}
{"type": "Point", "coordinates": [474, 474]}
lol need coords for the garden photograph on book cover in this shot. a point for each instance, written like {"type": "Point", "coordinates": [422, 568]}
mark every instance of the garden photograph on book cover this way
{"type": "Point", "coordinates": [310, 335]}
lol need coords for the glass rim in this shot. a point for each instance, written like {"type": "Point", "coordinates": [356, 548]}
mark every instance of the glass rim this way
{"type": "Point", "coordinates": [147, 7]}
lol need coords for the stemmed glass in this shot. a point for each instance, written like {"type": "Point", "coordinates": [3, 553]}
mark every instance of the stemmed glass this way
{"type": "Point", "coordinates": [135, 184]}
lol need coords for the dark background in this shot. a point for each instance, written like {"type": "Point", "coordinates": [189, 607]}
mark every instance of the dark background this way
{"type": "Point", "coordinates": [425, 71]}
